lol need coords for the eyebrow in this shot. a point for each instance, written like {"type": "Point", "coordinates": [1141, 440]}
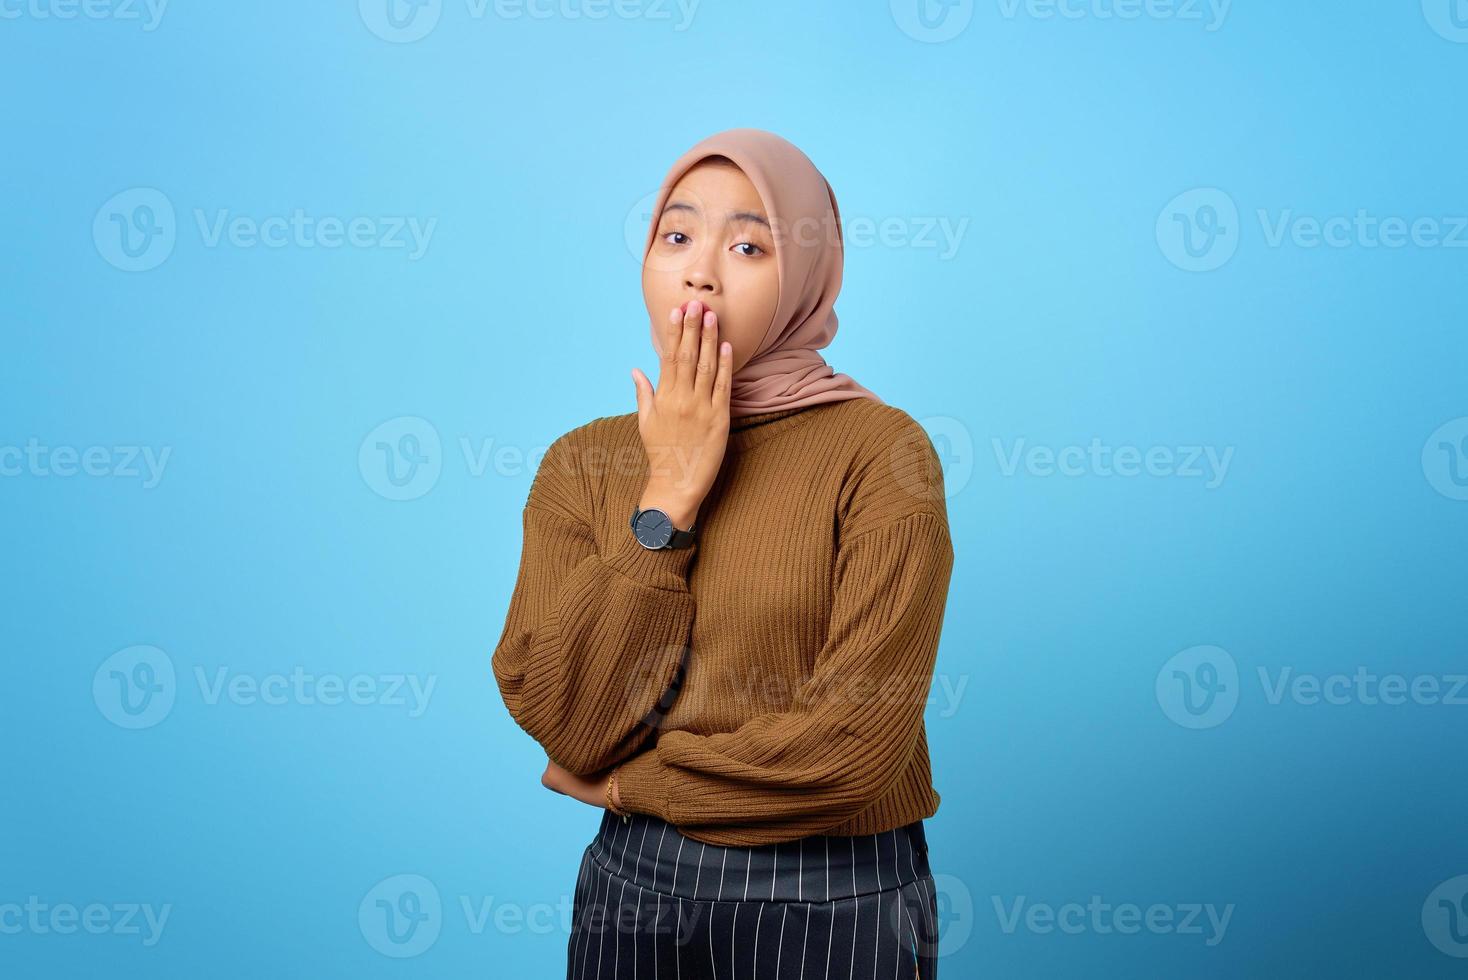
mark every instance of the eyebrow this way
{"type": "Point", "coordinates": [733, 215]}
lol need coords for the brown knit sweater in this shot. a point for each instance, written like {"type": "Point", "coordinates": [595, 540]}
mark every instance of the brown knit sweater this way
{"type": "Point", "coordinates": [769, 682]}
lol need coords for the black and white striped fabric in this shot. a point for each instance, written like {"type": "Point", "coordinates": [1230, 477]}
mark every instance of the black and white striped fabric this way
{"type": "Point", "coordinates": [652, 904]}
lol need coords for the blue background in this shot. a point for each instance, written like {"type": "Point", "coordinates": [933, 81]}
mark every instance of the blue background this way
{"type": "Point", "coordinates": [1073, 764]}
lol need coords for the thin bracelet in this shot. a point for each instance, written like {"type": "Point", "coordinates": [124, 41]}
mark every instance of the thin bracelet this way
{"type": "Point", "coordinates": [626, 817]}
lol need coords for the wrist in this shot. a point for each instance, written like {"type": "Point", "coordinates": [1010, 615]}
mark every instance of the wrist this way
{"type": "Point", "coordinates": [681, 508]}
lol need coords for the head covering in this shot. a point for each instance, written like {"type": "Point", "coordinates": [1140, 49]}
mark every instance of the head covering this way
{"type": "Point", "coordinates": [785, 371]}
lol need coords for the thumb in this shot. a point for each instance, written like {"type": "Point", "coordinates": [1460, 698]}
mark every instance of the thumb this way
{"type": "Point", "coordinates": [644, 389]}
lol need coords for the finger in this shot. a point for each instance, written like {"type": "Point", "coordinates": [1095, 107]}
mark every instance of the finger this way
{"type": "Point", "coordinates": [724, 380]}
{"type": "Point", "coordinates": [688, 346]}
{"type": "Point", "coordinates": [668, 360]}
{"type": "Point", "coordinates": [708, 356]}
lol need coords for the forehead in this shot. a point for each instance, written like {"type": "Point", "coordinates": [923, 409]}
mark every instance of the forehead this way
{"type": "Point", "coordinates": [715, 188]}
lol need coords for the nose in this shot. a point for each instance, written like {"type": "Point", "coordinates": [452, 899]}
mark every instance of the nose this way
{"type": "Point", "coordinates": [700, 276]}
{"type": "Point", "coordinates": [700, 282]}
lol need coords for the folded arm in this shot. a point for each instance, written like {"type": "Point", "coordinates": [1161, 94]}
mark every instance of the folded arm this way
{"type": "Point", "coordinates": [591, 641]}
{"type": "Point", "coordinates": [852, 726]}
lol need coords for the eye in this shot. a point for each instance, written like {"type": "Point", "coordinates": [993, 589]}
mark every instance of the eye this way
{"type": "Point", "coordinates": [751, 245]}
{"type": "Point", "coordinates": [667, 234]}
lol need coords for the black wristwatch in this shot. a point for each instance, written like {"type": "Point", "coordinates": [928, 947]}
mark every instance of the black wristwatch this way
{"type": "Point", "coordinates": [654, 529]}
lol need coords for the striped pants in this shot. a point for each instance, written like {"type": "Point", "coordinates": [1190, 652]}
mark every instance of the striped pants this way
{"type": "Point", "coordinates": [652, 904]}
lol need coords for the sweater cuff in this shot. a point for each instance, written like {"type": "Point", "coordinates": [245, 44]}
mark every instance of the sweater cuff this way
{"type": "Point", "coordinates": [661, 568]}
{"type": "Point", "coordinates": [642, 785]}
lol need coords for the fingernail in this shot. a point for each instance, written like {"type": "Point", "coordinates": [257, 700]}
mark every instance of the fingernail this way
{"type": "Point", "coordinates": [708, 319]}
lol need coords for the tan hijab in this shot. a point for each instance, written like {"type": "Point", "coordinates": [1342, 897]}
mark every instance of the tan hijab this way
{"type": "Point", "coordinates": [786, 371]}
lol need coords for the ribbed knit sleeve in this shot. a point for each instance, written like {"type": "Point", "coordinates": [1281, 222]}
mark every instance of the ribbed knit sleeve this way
{"type": "Point", "coordinates": [591, 640]}
{"type": "Point", "coordinates": [854, 722]}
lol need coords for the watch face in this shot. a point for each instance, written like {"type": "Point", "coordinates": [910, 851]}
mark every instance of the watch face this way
{"type": "Point", "coordinates": [654, 528]}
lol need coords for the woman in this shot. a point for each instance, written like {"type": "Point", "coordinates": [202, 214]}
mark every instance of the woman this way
{"type": "Point", "coordinates": [727, 612]}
